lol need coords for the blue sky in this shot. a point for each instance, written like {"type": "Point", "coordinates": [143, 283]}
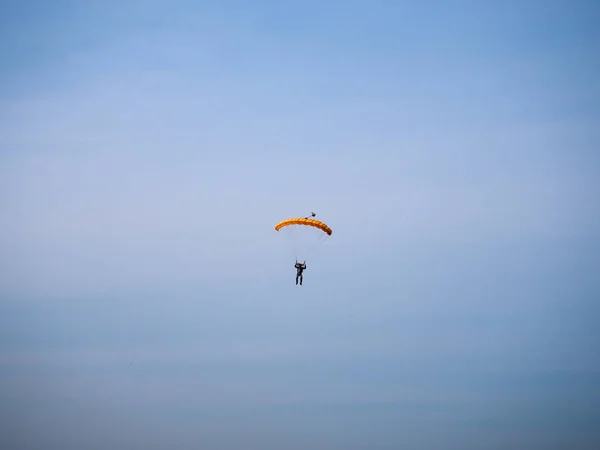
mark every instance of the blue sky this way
{"type": "Point", "coordinates": [148, 148]}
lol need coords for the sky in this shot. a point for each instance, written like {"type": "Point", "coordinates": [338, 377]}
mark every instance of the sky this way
{"type": "Point", "coordinates": [148, 148]}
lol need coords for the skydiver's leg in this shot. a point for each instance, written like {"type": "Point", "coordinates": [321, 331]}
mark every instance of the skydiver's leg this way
{"type": "Point", "coordinates": [296, 279]}
{"type": "Point", "coordinates": [300, 280]}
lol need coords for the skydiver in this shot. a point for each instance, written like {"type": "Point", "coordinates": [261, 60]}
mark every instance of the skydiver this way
{"type": "Point", "coordinates": [299, 269]}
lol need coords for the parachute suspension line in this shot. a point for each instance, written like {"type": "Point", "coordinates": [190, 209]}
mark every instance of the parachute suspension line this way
{"type": "Point", "coordinates": [291, 235]}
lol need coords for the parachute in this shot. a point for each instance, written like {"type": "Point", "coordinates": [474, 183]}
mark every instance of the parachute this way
{"type": "Point", "coordinates": [304, 221]}
{"type": "Point", "coordinates": [304, 234]}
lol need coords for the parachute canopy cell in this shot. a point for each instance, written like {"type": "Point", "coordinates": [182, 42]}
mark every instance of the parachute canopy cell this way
{"type": "Point", "coordinates": [304, 221]}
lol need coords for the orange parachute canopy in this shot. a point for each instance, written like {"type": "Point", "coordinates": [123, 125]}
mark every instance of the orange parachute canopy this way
{"type": "Point", "coordinates": [304, 221]}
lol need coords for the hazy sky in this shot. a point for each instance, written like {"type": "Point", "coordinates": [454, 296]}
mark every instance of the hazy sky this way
{"type": "Point", "coordinates": [147, 149]}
